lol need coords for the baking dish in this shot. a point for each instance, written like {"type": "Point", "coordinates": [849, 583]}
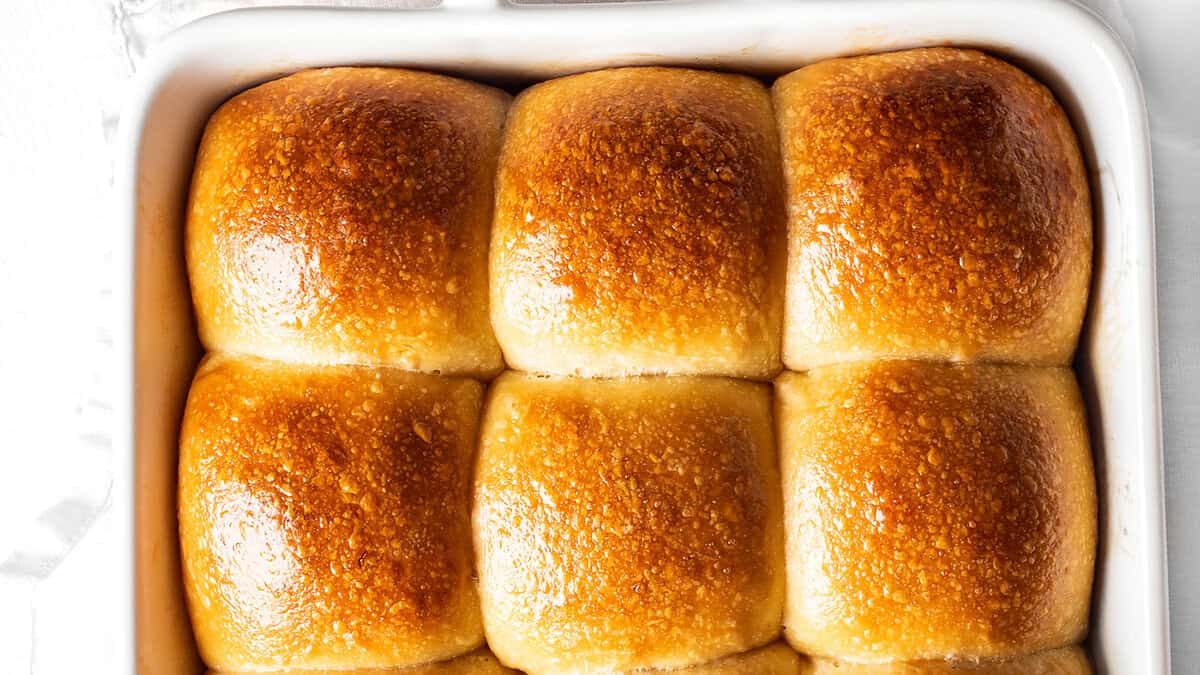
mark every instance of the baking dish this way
{"type": "Point", "coordinates": [1069, 49]}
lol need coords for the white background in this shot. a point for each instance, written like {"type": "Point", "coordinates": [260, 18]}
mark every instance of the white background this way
{"type": "Point", "coordinates": [64, 66]}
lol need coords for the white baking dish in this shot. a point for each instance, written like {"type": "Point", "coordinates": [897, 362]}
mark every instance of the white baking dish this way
{"type": "Point", "coordinates": [195, 69]}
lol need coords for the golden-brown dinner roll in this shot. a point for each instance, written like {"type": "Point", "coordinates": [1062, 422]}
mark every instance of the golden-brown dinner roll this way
{"type": "Point", "coordinates": [324, 515]}
{"type": "Point", "coordinates": [935, 511]}
{"type": "Point", "coordinates": [1065, 661]}
{"type": "Point", "coordinates": [938, 209]}
{"type": "Point", "coordinates": [342, 215]}
{"type": "Point", "coordinates": [626, 524]}
{"type": "Point", "coordinates": [480, 662]}
{"type": "Point", "coordinates": [640, 226]}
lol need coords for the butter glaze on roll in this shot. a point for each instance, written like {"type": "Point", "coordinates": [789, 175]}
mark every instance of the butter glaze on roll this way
{"type": "Point", "coordinates": [342, 215]}
{"type": "Point", "coordinates": [935, 511]}
{"type": "Point", "coordinates": [324, 515]}
{"type": "Point", "coordinates": [627, 524]}
{"type": "Point", "coordinates": [640, 226]}
{"type": "Point", "coordinates": [938, 208]}
{"type": "Point", "coordinates": [1065, 661]}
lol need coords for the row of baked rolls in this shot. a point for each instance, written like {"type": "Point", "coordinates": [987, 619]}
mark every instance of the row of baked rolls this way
{"type": "Point", "coordinates": [935, 207]}
{"type": "Point", "coordinates": [929, 511]}
{"type": "Point", "coordinates": [938, 209]}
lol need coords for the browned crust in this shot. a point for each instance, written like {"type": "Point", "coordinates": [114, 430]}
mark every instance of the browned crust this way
{"type": "Point", "coordinates": [935, 511]}
{"type": "Point", "coordinates": [640, 226]}
{"type": "Point", "coordinates": [341, 215]}
{"type": "Point", "coordinates": [938, 208]}
{"type": "Point", "coordinates": [625, 524]}
{"type": "Point", "coordinates": [324, 515]}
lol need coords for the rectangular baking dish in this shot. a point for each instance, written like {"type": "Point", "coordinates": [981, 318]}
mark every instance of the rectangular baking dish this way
{"type": "Point", "coordinates": [206, 62]}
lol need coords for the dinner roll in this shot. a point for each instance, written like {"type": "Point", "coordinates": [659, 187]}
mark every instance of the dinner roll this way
{"type": "Point", "coordinates": [938, 209]}
{"type": "Point", "coordinates": [640, 226]}
{"type": "Point", "coordinates": [480, 662]}
{"type": "Point", "coordinates": [341, 216]}
{"type": "Point", "coordinates": [935, 511]}
{"type": "Point", "coordinates": [626, 524]}
{"type": "Point", "coordinates": [1065, 661]}
{"type": "Point", "coordinates": [324, 515]}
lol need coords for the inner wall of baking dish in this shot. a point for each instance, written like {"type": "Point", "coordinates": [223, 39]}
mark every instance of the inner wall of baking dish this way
{"type": "Point", "coordinates": [212, 62]}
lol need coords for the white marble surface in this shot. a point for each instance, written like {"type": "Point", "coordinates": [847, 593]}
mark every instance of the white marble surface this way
{"type": "Point", "coordinates": [64, 65]}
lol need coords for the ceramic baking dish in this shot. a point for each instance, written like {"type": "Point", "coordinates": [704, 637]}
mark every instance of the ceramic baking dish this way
{"type": "Point", "coordinates": [206, 62]}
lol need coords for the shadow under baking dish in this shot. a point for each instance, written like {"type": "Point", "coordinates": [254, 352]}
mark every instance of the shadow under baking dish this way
{"type": "Point", "coordinates": [198, 67]}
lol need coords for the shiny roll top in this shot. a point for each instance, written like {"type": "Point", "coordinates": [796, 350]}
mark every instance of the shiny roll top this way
{"type": "Point", "coordinates": [625, 524]}
{"type": "Point", "coordinates": [640, 226]}
{"type": "Point", "coordinates": [342, 216]}
{"type": "Point", "coordinates": [935, 511]}
{"type": "Point", "coordinates": [324, 515]}
{"type": "Point", "coordinates": [938, 208]}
